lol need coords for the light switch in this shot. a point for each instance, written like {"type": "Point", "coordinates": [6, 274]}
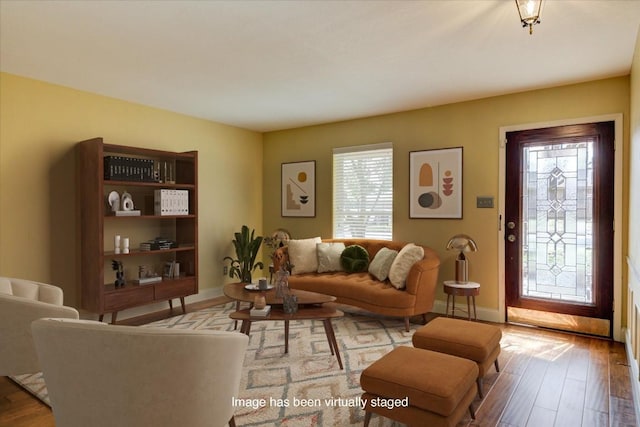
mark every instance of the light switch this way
{"type": "Point", "coordinates": [484, 202]}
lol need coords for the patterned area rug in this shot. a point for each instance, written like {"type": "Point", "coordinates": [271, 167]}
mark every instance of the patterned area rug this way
{"type": "Point", "coordinates": [308, 373]}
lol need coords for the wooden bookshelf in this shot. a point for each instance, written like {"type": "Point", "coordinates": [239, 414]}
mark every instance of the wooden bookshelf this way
{"type": "Point", "coordinates": [98, 226]}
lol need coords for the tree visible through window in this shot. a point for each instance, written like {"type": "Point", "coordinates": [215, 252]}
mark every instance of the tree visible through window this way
{"type": "Point", "coordinates": [363, 192]}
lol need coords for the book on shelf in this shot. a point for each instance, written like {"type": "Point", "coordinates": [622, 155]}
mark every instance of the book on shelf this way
{"type": "Point", "coordinates": [171, 270]}
{"type": "Point", "coordinates": [148, 280]}
{"type": "Point", "coordinates": [260, 312]}
{"type": "Point", "coordinates": [128, 213]}
{"type": "Point", "coordinates": [122, 168]}
{"type": "Point", "coordinates": [171, 202]}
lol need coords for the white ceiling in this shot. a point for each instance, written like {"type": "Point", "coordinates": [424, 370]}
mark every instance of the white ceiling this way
{"type": "Point", "coordinates": [269, 65]}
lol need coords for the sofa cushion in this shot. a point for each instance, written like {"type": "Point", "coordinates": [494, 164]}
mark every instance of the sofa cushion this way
{"type": "Point", "coordinates": [303, 255]}
{"type": "Point", "coordinates": [408, 255]}
{"type": "Point", "coordinates": [354, 259]}
{"type": "Point", "coordinates": [329, 256]}
{"type": "Point", "coordinates": [361, 287]}
{"type": "Point", "coordinates": [381, 264]}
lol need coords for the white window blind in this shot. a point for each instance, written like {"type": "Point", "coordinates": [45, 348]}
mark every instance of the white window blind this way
{"type": "Point", "coordinates": [363, 192]}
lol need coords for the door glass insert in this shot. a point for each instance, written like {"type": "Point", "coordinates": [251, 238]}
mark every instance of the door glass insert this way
{"type": "Point", "coordinates": [557, 223]}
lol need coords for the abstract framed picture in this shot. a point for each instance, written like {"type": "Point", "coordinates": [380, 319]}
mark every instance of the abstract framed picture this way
{"type": "Point", "coordinates": [299, 189]}
{"type": "Point", "coordinates": [435, 183]}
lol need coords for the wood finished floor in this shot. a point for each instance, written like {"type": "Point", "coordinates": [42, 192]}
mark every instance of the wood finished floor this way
{"type": "Point", "coordinates": [547, 379]}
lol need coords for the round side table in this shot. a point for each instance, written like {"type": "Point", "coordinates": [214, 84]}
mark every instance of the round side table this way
{"type": "Point", "coordinates": [468, 289]}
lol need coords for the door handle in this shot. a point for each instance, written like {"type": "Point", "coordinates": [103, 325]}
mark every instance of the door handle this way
{"type": "Point", "coordinates": [511, 225]}
{"type": "Point", "coordinates": [511, 238]}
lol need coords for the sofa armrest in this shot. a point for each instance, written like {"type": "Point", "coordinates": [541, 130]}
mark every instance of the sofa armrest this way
{"type": "Point", "coordinates": [422, 280]}
{"type": "Point", "coordinates": [17, 353]}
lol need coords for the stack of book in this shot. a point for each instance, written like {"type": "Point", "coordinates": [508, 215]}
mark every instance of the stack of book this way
{"type": "Point", "coordinates": [260, 312]}
{"type": "Point", "coordinates": [158, 244]}
{"type": "Point", "coordinates": [148, 280]}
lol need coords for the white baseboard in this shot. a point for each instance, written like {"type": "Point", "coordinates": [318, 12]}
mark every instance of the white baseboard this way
{"type": "Point", "coordinates": [634, 369]}
{"type": "Point", "coordinates": [204, 294]}
{"type": "Point", "coordinates": [485, 314]}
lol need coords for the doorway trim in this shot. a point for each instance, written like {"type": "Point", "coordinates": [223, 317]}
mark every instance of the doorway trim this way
{"type": "Point", "coordinates": [618, 334]}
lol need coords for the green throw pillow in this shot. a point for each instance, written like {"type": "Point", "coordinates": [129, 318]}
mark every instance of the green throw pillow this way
{"type": "Point", "coordinates": [354, 259]}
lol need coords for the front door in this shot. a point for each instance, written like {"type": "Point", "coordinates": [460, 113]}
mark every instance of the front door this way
{"type": "Point", "coordinates": [559, 227]}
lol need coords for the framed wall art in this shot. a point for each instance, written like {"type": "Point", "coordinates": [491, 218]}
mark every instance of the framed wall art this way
{"type": "Point", "coordinates": [435, 183]}
{"type": "Point", "coordinates": [299, 189]}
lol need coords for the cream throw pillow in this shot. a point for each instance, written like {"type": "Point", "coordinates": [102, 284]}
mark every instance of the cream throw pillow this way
{"type": "Point", "coordinates": [302, 255]}
{"type": "Point", "coordinates": [329, 256]}
{"type": "Point", "coordinates": [381, 264]}
{"type": "Point", "coordinates": [400, 267]}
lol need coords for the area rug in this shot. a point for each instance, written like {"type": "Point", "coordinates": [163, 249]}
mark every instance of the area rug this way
{"type": "Point", "coordinates": [304, 388]}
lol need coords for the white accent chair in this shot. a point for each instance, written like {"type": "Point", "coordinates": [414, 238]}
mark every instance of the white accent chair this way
{"type": "Point", "coordinates": [22, 302]}
{"type": "Point", "coordinates": [109, 375]}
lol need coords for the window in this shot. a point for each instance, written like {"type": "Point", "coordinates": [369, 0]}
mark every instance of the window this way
{"type": "Point", "coordinates": [363, 192]}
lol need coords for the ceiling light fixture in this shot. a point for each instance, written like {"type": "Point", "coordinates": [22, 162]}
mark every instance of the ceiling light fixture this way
{"type": "Point", "coordinates": [529, 11]}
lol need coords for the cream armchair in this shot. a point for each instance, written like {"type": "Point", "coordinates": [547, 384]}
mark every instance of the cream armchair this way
{"type": "Point", "coordinates": [110, 375]}
{"type": "Point", "coordinates": [21, 302]}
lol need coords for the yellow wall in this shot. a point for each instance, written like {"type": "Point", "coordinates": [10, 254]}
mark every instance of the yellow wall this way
{"type": "Point", "coordinates": [39, 125]}
{"type": "Point", "coordinates": [40, 122]}
{"type": "Point", "coordinates": [473, 125]}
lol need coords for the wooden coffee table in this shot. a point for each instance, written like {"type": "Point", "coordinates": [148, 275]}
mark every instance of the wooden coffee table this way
{"type": "Point", "coordinates": [310, 307]}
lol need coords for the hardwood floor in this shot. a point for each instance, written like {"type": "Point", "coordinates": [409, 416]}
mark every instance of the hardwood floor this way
{"type": "Point", "coordinates": [552, 378]}
{"type": "Point", "coordinates": [547, 378]}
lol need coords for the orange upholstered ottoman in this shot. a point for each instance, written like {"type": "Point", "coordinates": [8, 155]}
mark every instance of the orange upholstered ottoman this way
{"type": "Point", "coordinates": [470, 340]}
{"type": "Point", "coordinates": [419, 387]}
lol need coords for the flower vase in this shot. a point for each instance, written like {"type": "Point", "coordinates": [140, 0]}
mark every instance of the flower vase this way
{"type": "Point", "coordinates": [282, 283]}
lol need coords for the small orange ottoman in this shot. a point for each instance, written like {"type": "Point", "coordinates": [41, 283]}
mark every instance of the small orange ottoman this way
{"type": "Point", "coordinates": [419, 387]}
{"type": "Point", "coordinates": [470, 340]}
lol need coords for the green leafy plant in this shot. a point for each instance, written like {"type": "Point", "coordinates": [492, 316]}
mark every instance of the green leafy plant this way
{"type": "Point", "coordinates": [247, 246]}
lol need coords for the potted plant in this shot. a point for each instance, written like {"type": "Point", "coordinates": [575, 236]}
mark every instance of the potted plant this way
{"type": "Point", "coordinates": [246, 246]}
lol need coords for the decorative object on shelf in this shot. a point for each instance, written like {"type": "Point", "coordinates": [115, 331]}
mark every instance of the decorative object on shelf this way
{"type": "Point", "coordinates": [126, 202]}
{"type": "Point", "coordinates": [114, 201]}
{"type": "Point", "coordinates": [146, 275]}
{"type": "Point", "coordinates": [462, 243]}
{"type": "Point", "coordinates": [122, 206]}
{"type": "Point", "coordinates": [246, 245]}
{"type": "Point", "coordinates": [282, 282]}
{"type": "Point", "coordinates": [125, 245]}
{"type": "Point", "coordinates": [163, 172]}
{"type": "Point", "coordinates": [116, 244]}
{"type": "Point", "coordinates": [299, 189]}
{"type": "Point", "coordinates": [168, 176]}
{"type": "Point", "coordinates": [529, 11]}
{"type": "Point", "coordinates": [117, 267]}
{"type": "Point", "coordinates": [435, 183]}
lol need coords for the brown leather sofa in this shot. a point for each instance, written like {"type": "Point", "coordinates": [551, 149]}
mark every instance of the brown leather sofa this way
{"type": "Point", "coordinates": [365, 291]}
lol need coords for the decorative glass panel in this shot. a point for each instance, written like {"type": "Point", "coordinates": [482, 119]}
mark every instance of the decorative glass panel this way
{"type": "Point", "coordinates": [557, 222]}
